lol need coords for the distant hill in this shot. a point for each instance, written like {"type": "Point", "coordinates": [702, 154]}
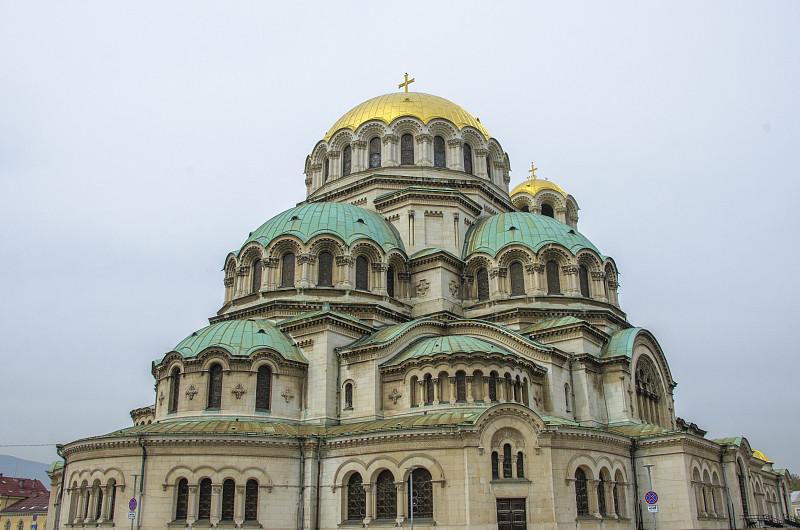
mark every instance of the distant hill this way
{"type": "Point", "coordinates": [11, 466]}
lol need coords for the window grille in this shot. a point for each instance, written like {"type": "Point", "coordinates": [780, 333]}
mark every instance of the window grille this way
{"type": "Point", "coordinates": [251, 500]}
{"type": "Point", "coordinates": [98, 509]}
{"type": "Point", "coordinates": [495, 465]}
{"type": "Point", "coordinates": [390, 281]}
{"type": "Point", "coordinates": [493, 386]}
{"type": "Point", "coordinates": [325, 270]}
{"type": "Point", "coordinates": [553, 281]}
{"type": "Point", "coordinates": [215, 387]}
{"type": "Point", "coordinates": [581, 492]}
{"type": "Point", "coordinates": [483, 284]}
{"type": "Point", "coordinates": [583, 275]}
{"type": "Point", "coordinates": [375, 152]}
{"type": "Point", "coordinates": [615, 496]}
{"type": "Point", "coordinates": [412, 393]}
{"type": "Point", "coordinates": [263, 388]}
{"type": "Point", "coordinates": [356, 498]}
{"type": "Point", "coordinates": [174, 396]}
{"type": "Point", "coordinates": [287, 270]}
{"type": "Point", "coordinates": [182, 500]}
{"type": "Point", "coordinates": [439, 155]}
{"type": "Point", "coordinates": [362, 273]}
{"type": "Point", "coordinates": [467, 158]}
{"type": "Point", "coordinates": [517, 279]}
{"type": "Point", "coordinates": [385, 496]}
{"type": "Point", "coordinates": [326, 170]}
{"type": "Point", "coordinates": [421, 501]}
{"type": "Point", "coordinates": [348, 396]}
{"type": "Point", "coordinates": [507, 461]}
{"type": "Point", "coordinates": [461, 386]}
{"type": "Point", "coordinates": [204, 500]}
{"type": "Point", "coordinates": [258, 268]}
{"type": "Point", "coordinates": [601, 495]}
{"type": "Point", "coordinates": [112, 498]}
{"type": "Point", "coordinates": [407, 150]}
{"type": "Point", "coordinates": [489, 167]}
{"type": "Point", "coordinates": [347, 157]}
{"type": "Point", "coordinates": [520, 465]}
{"type": "Point", "coordinates": [228, 492]}
{"type": "Point", "coordinates": [742, 489]}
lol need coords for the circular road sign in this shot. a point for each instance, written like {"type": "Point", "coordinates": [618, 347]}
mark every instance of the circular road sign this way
{"type": "Point", "coordinates": [132, 504]}
{"type": "Point", "coordinates": [651, 497]}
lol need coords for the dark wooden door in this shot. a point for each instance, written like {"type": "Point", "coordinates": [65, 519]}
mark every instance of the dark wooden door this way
{"type": "Point", "coordinates": [511, 514]}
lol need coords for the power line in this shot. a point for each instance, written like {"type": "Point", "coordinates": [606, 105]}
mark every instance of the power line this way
{"type": "Point", "coordinates": [27, 445]}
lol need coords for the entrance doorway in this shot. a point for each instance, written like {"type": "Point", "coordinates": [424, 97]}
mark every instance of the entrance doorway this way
{"type": "Point", "coordinates": [511, 514]}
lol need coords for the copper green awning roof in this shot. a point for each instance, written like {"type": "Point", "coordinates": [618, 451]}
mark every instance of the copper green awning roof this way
{"type": "Point", "coordinates": [620, 343]}
{"type": "Point", "coordinates": [240, 338]}
{"type": "Point", "coordinates": [346, 221]}
{"type": "Point", "coordinates": [493, 234]}
{"type": "Point", "coordinates": [733, 440]}
{"type": "Point", "coordinates": [447, 344]}
{"type": "Point", "coordinates": [551, 323]}
{"type": "Point", "coordinates": [635, 430]}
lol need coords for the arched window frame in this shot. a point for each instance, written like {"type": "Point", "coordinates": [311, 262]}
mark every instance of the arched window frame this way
{"type": "Point", "coordinates": [407, 150]}
{"type": "Point", "coordinates": [204, 500]}
{"type": "Point", "coordinates": [264, 388]}
{"type": "Point", "coordinates": [325, 269]}
{"type": "Point", "coordinates": [461, 386]}
{"type": "Point", "coordinates": [428, 386]}
{"type": "Point", "coordinates": [228, 498]}
{"type": "Point", "coordinates": [390, 274]}
{"type": "Point", "coordinates": [420, 497]}
{"type": "Point", "coordinates": [251, 500]}
{"type": "Point", "coordinates": [214, 401]}
{"type": "Point", "coordinates": [468, 158]}
{"type": "Point", "coordinates": [348, 396]}
{"type": "Point", "coordinates": [439, 152]}
{"type": "Point", "coordinates": [482, 283]}
{"type": "Point", "coordinates": [347, 160]}
{"type": "Point", "coordinates": [112, 498]}
{"type": "Point", "coordinates": [507, 464]}
{"type": "Point", "coordinates": [385, 496]}
{"type": "Point", "coordinates": [375, 152]}
{"type": "Point", "coordinates": [581, 492]}
{"type": "Point", "coordinates": [412, 391]}
{"type": "Point", "coordinates": [583, 281]}
{"type": "Point", "coordinates": [495, 465]}
{"type": "Point", "coordinates": [520, 465]}
{"type": "Point", "coordinates": [288, 265]}
{"type": "Point", "coordinates": [516, 273]}
{"type": "Point", "coordinates": [553, 277]}
{"type": "Point", "coordinates": [175, 389]}
{"type": "Point", "coordinates": [362, 273]}
{"type": "Point", "coordinates": [356, 498]}
{"type": "Point", "coordinates": [182, 500]}
{"type": "Point", "coordinates": [256, 276]}
{"type": "Point", "coordinates": [548, 210]}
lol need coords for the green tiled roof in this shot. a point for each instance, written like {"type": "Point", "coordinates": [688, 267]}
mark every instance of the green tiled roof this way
{"type": "Point", "coordinates": [346, 221]}
{"type": "Point", "coordinates": [734, 440]}
{"type": "Point", "coordinates": [620, 343]}
{"type": "Point", "coordinates": [634, 430]}
{"type": "Point", "coordinates": [550, 323]}
{"type": "Point", "coordinates": [431, 251]}
{"type": "Point", "coordinates": [447, 344]}
{"type": "Point", "coordinates": [493, 234]}
{"type": "Point", "coordinates": [240, 338]}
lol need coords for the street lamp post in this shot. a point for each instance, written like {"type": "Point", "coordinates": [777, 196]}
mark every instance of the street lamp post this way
{"type": "Point", "coordinates": [411, 492]}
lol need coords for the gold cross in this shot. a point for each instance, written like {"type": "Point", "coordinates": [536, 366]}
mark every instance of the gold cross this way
{"type": "Point", "coordinates": [401, 85]}
{"type": "Point", "coordinates": [532, 171]}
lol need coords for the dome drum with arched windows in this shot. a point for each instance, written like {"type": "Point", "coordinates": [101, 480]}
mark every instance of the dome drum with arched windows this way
{"type": "Point", "coordinates": [409, 325]}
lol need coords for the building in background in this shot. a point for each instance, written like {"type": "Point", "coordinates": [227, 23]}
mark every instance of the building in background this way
{"type": "Point", "coordinates": [415, 341]}
{"type": "Point", "coordinates": [23, 503]}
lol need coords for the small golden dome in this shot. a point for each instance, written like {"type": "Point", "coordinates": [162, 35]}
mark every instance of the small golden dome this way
{"type": "Point", "coordinates": [533, 186]}
{"type": "Point", "coordinates": [761, 456]}
{"type": "Point", "coordinates": [389, 107]}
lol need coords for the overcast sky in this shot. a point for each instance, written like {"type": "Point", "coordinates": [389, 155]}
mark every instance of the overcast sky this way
{"type": "Point", "coordinates": [140, 142]}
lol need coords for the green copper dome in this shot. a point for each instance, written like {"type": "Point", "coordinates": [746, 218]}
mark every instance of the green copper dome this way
{"type": "Point", "coordinates": [344, 220]}
{"type": "Point", "coordinates": [240, 338]}
{"type": "Point", "coordinates": [493, 234]}
{"type": "Point", "coordinates": [447, 345]}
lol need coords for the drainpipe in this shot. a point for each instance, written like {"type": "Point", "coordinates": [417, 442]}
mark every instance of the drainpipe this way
{"type": "Point", "coordinates": [316, 490]}
{"type": "Point", "coordinates": [338, 388]}
{"type": "Point", "coordinates": [727, 491]}
{"type": "Point", "coordinates": [572, 392]}
{"type": "Point", "coordinates": [302, 487]}
{"type": "Point", "coordinates": [141, 486]}
{"type": "Point", "coordinates": [636, 515]}
{"type": "Point", "coordinates": [60, 493]}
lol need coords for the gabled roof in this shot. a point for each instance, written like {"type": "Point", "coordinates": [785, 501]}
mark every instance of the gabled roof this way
{"type": "Point", "coordinates": [35, 504]}
{"type": "Point", "coordinates": [446, 344]}
{"type": "Point", "coordinates": [733, 440]}
{"type": "Point", "coordinates": [20, 487]}
{"type": "Point", "coordinates": [322, 312]}
{"type": "Point", "coordinates": [550, 323]}
{"type": "Point", "coordinates": [431, 251]}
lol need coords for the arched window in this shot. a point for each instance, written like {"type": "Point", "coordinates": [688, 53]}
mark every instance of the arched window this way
{"type": "Point", "coordinates": [390, 281]}
{"type": "Point", "coordinates": [581, 492]}
{"type": "Point", "coordinates": [287, 270]}
{"type": "Point", "coordinates": [566, 397]}
{"type": "Point", "coordinates": [507, 461]}
{"type": "Point", "coordinates": [439, 156]}
{"type": "Point", "coordinates": [517, 279]}
{"type": "Point", "coordinates": [385, 496]}
{"type": "Point", "coordinates": [407, 150]}
{"type": "Point", "coordinates": [412, 392]}
{"type": "Point", "coordinates": [420, 494]}
{"type": "Point", "coordinates": [175, 389]}
{"type": "Point", "coordinates": [520, 465]}
{"type": "Point", "coordinates": [228, 493]}
{"type": "Point", "coordinates": [648, 391]}
{"type": "Point", "coordinates": [347, 158]}
{"type": "Point", "coordinates": [375, 152]}
{"type": "Point", "coordinates": [583, 276]}
{"type": "Point", "coordinates": [483, 284]}
{"type": "Point", "coordinates": [182, 500]}
{"type": "Point", "coordinates": [467, 158]}
{"type": "Point", "coordinates": [428, 389]}
{"type": "Point", "coordinates": [204, 500]}
{"type": "Point", "coordinates": [214, 387]}
{"type": "Point", "coordinates": [325, 270]}
{"type": "Point", "coordinates": [553, 281]}
{"type": "Point", "coordinates": [356, 498]}
{"type": "Point", "coordinates": [548, 210]}
{"type": "Point", "coordinates": [263, 388]}
{"type": "Point", "coordinates": [348, 396]}
{"type": "Point", "coordinates": [258, 268]}
{"type": "Point", "coordinates": [495, 465]}
{"type": "Point", "coordinates": [326, 170]}
{"type": "Point", "coordinates": [489, 167]}
{"type": "Point", "coordinates": [461, 386]}
{"type": "Point", "coordinates": [362, 273]}
{"type": "Point", "coordinates": [493, 386]}
{"type": "Point", "coordinates": [251, 500]}
{"type": "Point", "coordinates": [742, 488]}
{"type": "Point", "coordinates": [619, 495]}
{"type": "Point", "coordinates": [525, 208]}
{"type": "Point", "coordinates": [601, 495]}
{"type": "Point", "coordinates": [112, 498]}
{"type": "Point", "coordinates": [98, 508]}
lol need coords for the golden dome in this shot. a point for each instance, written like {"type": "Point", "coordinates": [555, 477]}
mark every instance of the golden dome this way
{"type": "Point", "coordinates": [761, 456]}
{"type": "Point", "coordinates": [389, 107]}
{"type": "Point", "coordinates": [535, 185]}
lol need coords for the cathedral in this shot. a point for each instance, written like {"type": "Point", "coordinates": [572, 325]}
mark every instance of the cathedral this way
{"type": "Point", "coordinates": [415, 345]}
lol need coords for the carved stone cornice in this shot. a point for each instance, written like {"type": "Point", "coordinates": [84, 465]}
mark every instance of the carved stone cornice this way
{"type": "Point", "coordinates": [359, 144]}
{"type": "Point", "coordinates": [272, 263]}
{"type": "Point", "coordinates": [424, 138]}
{"type": "Point", "coordinates": [481, 152]}
{"type": "Point", "coordinates": [243, 270]}
{"type": "Point", "coordinates": [333, 155]}
{"type": "Point", "coordinates": [306, 258]}
{"type": "Point", "coordinates": [390, 139]}
{"type": "Point", "coordinates": [455, 142]}
{"type": "Point", "coordinates": [228, 282]}
{"type": "Point", "coordinates": [344, 260]}
{"type": "Point", "coordinates": [379, 267]}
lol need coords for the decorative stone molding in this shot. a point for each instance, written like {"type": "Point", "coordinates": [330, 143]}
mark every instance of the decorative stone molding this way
{"type": "Point", "coordinates": [598, 275]}
{"type": "Point", "coordinates": [501, 272]}
{"type": "Point", "coordinates": [390, 139]}
{"type": "Point", "coordinates": [344, 260]}
{"type": "Point", "coordinates": [433, 213]}
{"type": "Point", "coordinates": [161, 398]}
{"type": "Point", "coordinates": [333, 155]}
{"type": "Point", "coordinates": [481, 152]}
{"type": "Point", "coordinates": [454, 287]}
{"type": "Point", "coordinates": [306, 258]}
{"type": "Point", "coordinates": [394, 396]}
{"type": "Point", "coordinates": [424, 138]}
{"type": "Point", "coordinates": [305, 343]}
{"type": "Point", "coordinates": [404, 276]}
{"type": "Point", "coordinates": [569, 269]}
{"type": "Point", "coordinates": [238, 391]}
{"type": "Point", "coordinates": [287, 394]}
{"type": "Point", "coordinates": [379, 267]}
{"type": "Point", "coordinates": [243, 270]}
{"type": "Point", "coordinates": [272, 263]}
{"type": "Point", "coordinates": [191, 392]}
{"type": "Point", "coordinates": [423, 286]}
{"type": "Point", "coordinates": [455, 142]}
{"type": "Point", "coordinates": [359, 144]}
{"type": "Point", "coordinates": [228, 282]}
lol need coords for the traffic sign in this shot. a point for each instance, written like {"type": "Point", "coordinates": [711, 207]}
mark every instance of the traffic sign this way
{"type": "Point", "coordinates": [131, 516]}
{"type": "Point", "coordinates": [34, 517]}
{"type": "Point", "coordinates": [653, 508]}
{"type": "Point", "coordinates": [132, 504]}
{"type": "Point", "coordinates": [651, 497]}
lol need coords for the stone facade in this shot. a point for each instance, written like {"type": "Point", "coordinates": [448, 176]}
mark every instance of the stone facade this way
{"type": "Point", "coordinates": [413, 331]}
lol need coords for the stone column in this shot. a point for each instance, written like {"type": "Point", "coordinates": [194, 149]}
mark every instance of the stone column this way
{"type": "Point", "coordinates": [104, 506]}
{"type": "Point", "coordinates": [379, 278]}
{"type": "Point", "coordinates": [305, 261]}
{"type": "Point", "coordinates": [370, 494]}
{"type": "Point", "coordinates": [389, 153]}
{"type": "Point", "coordinates": [435, 383]}
{"type": "Point", "coordinates": [452, 393]}
{"type": "Point", "coordinates": [455, 154]}
{"type": "Point", "coordinates": [241, 281]}
{"type": "Point", "coordinates": [423, 151]}
{"type": "Point", "coordinates": [422, 395]}
{"type": "Point", "coordinates": [401, 501]}
{"type": "Point", "coordinates": [561, 214]}
{"type": "Point", "coordinates": [334, 165]}
{"type": "Point", "coordinates": [480, 163]}
{"type": "Point", "coordinates": [486, 398]}
{"type": "Point", "coordinates": [358, 162]}
{"type": "Point", "coordinates": [594, 505]}
{"type": "Point", "coordinates": [216, 503]}
{"type": "Point", "coordinates": [612, 292]}
{"type": "Point", "coordinates": [470, 398]}
{"type": "Point", "coordinates": [345, 264]}
{"type": "Point", "coordinates": [191, 515]}
{"type": "Point", "coordinates": [598, 286]}
{"type": "Point", "coordinates": [404, 279]}
{"type": "Point", "coordinates": [238, 505]}
{"type": "Point", "coordinates": [270, 276]}
{"type": "Point", "coordinates": [537, 271]}
{"type": "Point", "coordinates": [497, 276]}
{"type": "Point", "coordinates": [571, 275]}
